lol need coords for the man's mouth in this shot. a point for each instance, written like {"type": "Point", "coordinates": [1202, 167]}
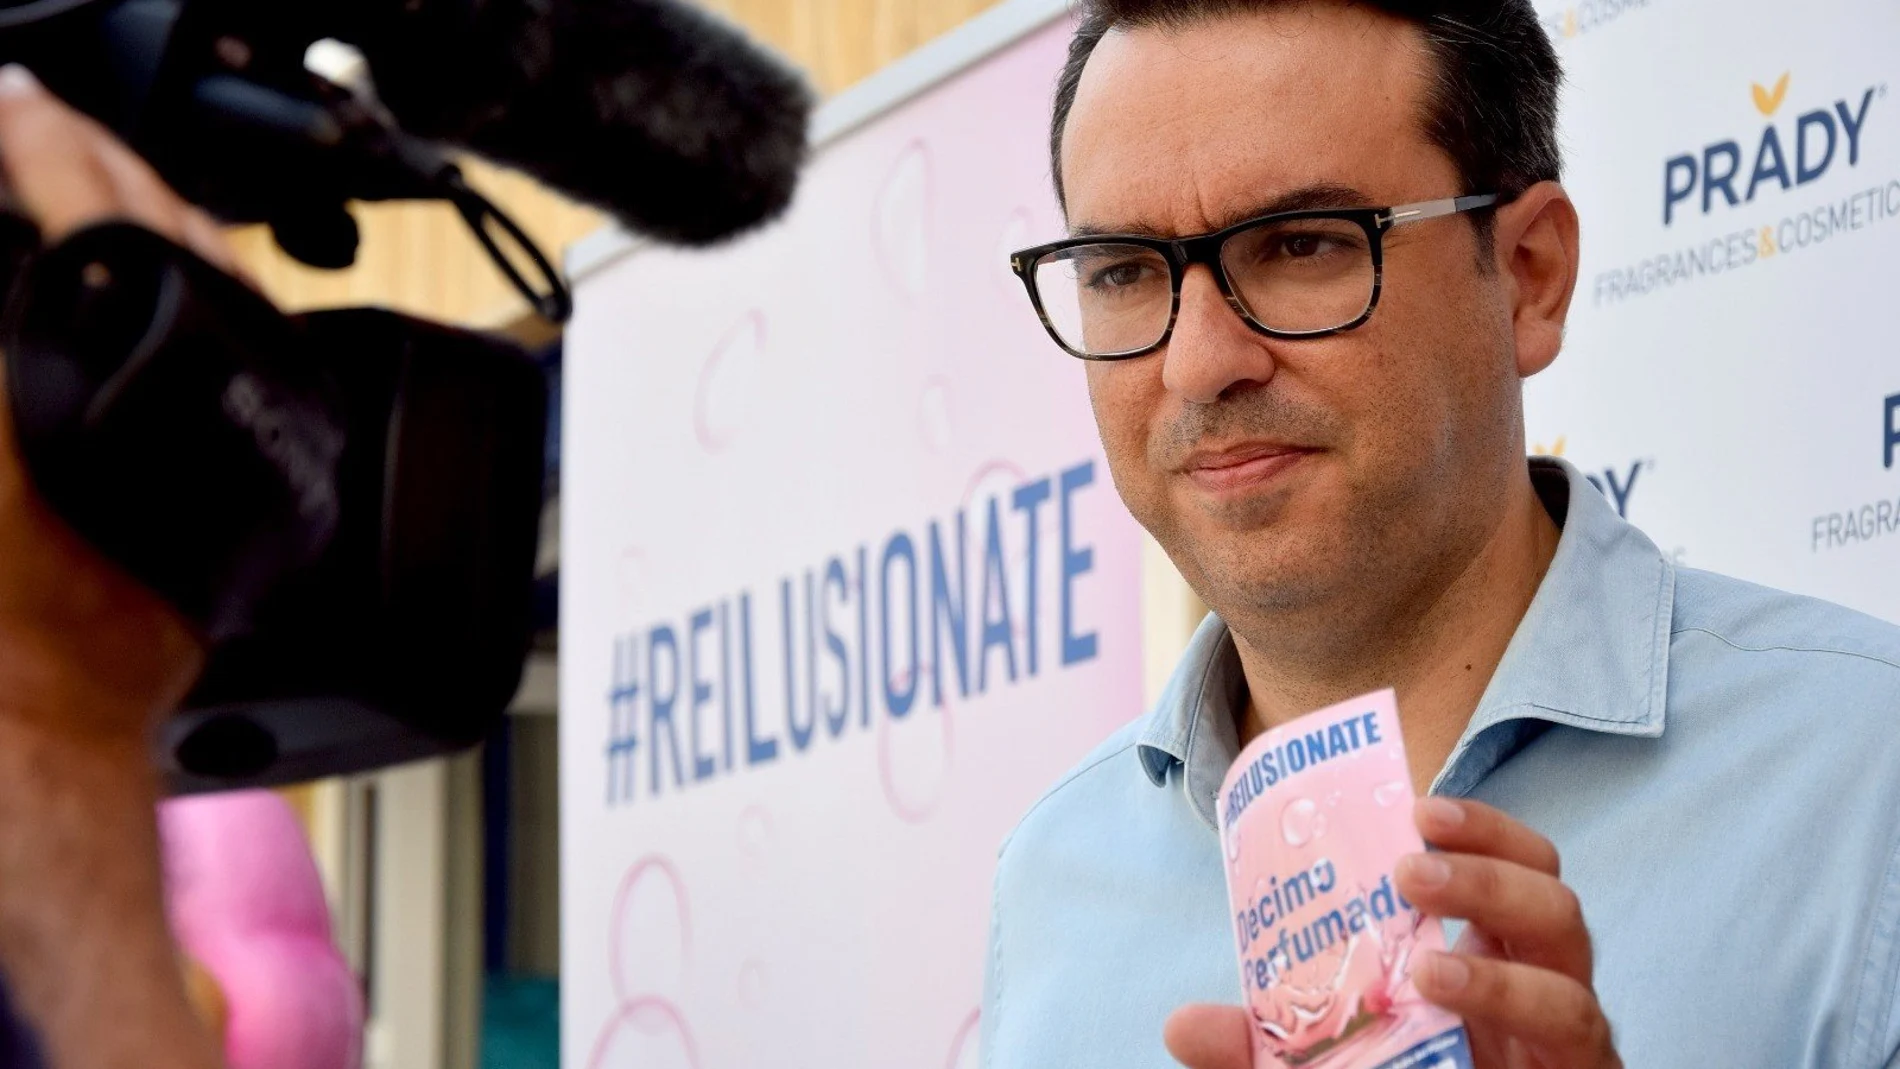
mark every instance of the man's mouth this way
{"type": "Point", "coordinates": [1244, 466]}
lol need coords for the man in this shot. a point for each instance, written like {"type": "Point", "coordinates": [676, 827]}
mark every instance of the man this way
{"type": "Point", "coordinates": [1319, 417]}
{"type": "Point", "coordinates": [88, 661]}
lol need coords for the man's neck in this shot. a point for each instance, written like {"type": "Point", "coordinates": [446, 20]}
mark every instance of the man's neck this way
{"type": "Point", "coordinates": [1439, 651]}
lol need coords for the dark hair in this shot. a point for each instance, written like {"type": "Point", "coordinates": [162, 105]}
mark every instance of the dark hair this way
{"type": "Point", "coordinates": [1491, 103]}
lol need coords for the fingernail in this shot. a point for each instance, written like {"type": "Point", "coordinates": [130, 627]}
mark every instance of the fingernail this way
{"type": "Point", "coordinates": [1427, 870]}
{"type": "Point", "coordinates": [17, 81]}
{"type": "Point", "coordinates": [1440, 812]}
{"type": "Point", "coordinates": [1447, 972]}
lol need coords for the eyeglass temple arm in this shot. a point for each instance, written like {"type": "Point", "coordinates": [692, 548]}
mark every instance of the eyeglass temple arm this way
{"type": "Point", "coordinates": [1432, 209]}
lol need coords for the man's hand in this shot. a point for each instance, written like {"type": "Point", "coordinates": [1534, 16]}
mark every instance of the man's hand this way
{"type": "Point", "coordinates": [67, 172]}
{"type": "Point", "coordinates": [1520, 975]}
{"type": "Point", "coordinates": [89, 660]}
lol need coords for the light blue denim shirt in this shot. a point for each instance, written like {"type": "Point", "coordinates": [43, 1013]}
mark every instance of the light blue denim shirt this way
{"type": "Point", "coordinates": [1719, 764]}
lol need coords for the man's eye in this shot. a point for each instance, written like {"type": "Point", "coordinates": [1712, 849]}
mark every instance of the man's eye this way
{"type": "Point", "coordinates": [1118, 276]}
{"type": "Point", "coordinates": [1305, 246]}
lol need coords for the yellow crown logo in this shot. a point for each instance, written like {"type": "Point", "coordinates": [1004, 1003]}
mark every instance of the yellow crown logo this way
{"type": "Point", "coordinates": [1768, 101]}
{"type": "Point", "coordinates": [1570, 22]}
{"type": "Point", "coordinates": [1556, 448]}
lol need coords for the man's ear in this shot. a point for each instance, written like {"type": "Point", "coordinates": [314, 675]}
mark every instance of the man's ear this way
{"type": "Point", "coordinates": [1536, 239]}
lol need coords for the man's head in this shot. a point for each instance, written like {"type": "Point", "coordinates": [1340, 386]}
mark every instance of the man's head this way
{"type": "Point", "coordinates": [1347, 472]}
{"type": "Point", "coordinates": [1490, 97]}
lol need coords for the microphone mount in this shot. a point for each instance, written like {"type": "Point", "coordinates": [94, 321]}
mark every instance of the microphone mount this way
{"type": "Point", "coordinates": [217, 96]}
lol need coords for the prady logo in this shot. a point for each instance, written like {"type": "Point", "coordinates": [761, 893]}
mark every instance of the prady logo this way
{"type": "Point", "coordinates": [1781, 156]}
{"type": "Point", "coordinates": [1873, 519]}
{"type": "Point", "coordinates": [1891, 431]}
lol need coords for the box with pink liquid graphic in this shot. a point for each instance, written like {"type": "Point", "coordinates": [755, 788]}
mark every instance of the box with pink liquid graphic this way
{"type": "Point", "coordinates": [1314, 815]}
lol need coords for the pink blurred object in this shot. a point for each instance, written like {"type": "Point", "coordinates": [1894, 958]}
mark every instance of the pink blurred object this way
{"type": "Point", "coordinates": [246, 902]}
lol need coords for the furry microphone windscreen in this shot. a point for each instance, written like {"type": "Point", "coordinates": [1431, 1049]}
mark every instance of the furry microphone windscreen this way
{"type": "Point", "coordinates": [663, 115]}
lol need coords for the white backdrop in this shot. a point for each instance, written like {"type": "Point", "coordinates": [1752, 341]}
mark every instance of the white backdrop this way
{"type": "Point", "coordinates": [1727, 372]}
{"type": "Point", "coordinates": [834, 462]}
{"type": "Point", "coordinates": [792, 429]}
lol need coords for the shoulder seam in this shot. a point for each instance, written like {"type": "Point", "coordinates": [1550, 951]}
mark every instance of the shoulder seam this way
{"type": "Point", "coordinates": [1779, 648]}
{"type": "Point", "coordinates": [1074, 774]}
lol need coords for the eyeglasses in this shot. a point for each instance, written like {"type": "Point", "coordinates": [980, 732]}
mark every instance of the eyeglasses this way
{"type": "Point", "coordinates": [1303, 274]}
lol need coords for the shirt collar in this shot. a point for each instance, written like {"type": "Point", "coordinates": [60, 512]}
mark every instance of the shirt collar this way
{"type": "Point", "coordinates": [1592, 652]}
{"type": "Point", "coordinates": [1195, 715]}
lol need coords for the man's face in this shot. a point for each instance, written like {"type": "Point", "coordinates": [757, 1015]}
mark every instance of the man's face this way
{"type": "Point", "coordinates": [1282, 474]}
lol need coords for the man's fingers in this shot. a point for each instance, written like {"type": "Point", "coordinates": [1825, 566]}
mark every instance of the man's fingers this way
{"type": "Point", "coordinates": [67, 172]}
{"type": "Point", "coordinates": [1467, 827]}
{"type": "Point", "coordinates": [1210, 1037]}
{"type": "Point", "coordinates": [1533, 915]}
{"type": "Point", "coordinates": [1556, 1017]}
{"type": "Point", "coordinates": [53, 174]}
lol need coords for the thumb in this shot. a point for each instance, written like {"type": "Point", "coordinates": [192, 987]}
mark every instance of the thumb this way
{"type": "Point", "coordinates": [1210, 1037]}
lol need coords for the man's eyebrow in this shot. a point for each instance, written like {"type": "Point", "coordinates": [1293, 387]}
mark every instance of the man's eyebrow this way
{"type": "Point", "coordinates": [1306, 198]}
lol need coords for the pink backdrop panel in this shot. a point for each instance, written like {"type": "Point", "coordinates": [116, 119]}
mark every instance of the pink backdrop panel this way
{"type": "Point", "coordinates": [779, 817]}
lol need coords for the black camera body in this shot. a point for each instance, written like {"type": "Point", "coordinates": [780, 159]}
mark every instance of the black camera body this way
{"type": "Point", "coordinates": [345, 503]}
{"type": "Point", "coordinates": [406, 636]}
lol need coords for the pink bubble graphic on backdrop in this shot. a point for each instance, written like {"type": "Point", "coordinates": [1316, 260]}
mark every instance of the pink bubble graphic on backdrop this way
{"type": "Point", "coordinates": [900, 221]}
{"type": "Point", "coordinates": [933, 413]}
{"type": "Point", "coordinates": [914, 761]}
{"type": "Point", "coordinates": [963, 1048]}
{"type": "Point", "coordinates": [755, 834]}
{"type": "Point", "coordinates": [995, 478]}
{"type": "Point", "coordinates": [650, 937]}
{"type": "Point", "coordinates": [726, 382]}
{"type": "Point", "coordinates": [646, 1033]}
{"type": "Point", "coordinates": [998, 479]}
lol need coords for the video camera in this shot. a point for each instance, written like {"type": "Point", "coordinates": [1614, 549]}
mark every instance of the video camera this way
{"type": "Point", "coordinates": [346, 502]}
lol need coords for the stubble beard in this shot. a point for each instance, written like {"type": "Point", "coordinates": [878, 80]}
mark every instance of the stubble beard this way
{"type": "Point", "coordinates": [1322, 589]}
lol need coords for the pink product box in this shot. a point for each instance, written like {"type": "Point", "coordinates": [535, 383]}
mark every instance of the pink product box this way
{"type": "Point", "coordinates": [1314, 815]}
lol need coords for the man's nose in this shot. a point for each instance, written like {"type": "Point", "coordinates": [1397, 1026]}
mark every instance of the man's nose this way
{"type": "Point", "coordinates": [1211, 349]}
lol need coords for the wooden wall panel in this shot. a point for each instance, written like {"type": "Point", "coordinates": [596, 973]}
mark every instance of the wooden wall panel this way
{"type": "Point", "coordinates": [419, 258]}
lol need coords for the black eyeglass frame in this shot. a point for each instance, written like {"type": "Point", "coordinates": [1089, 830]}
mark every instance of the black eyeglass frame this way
{"type": "Point", "coordinates": [1182, 253]}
